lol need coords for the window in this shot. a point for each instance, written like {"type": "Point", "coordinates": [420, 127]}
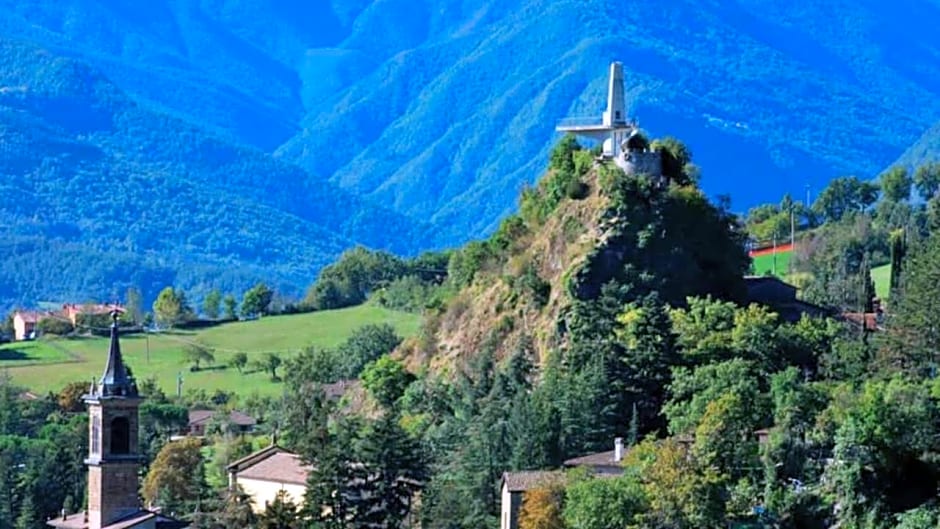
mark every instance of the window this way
{"type": "Point", "coordinates": [96, 435]}
{"type": "Point", "coordinates": [120, 436]}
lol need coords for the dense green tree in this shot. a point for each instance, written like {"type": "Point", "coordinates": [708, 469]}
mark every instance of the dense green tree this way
{"type": "Point", "coordinates": [915, 318]}
{"type": "Point", "coordinates": [898, 252]}
{"type": "Point", "coordinates": [692, 391]}
{"type": "Point", "coordinates": [386, 380]}
{"type": "Point", "coordinates": [212, 303]}
{"type": "Point", "coordinates": [395, 470]}
{"type": "Point", "coordinates": [195, 354]}
{"type": "Point", "coordinates": [239, 360]}
{"type": "Point", "coordinates": [595, 503]}
{"type": "Point", "coordinates": [169, 307]}
{"type": "Point", "coordinates": [677, 160]}
{"type": "Point", "coordinates": [927, 180]}
{"type": "Point", "coordinates": [56, 326]}
{"type": "Point", "coordinates": [229, 307]}
{"type": "Point", "coordinates": [269, 362]}
{"type": "Point", "coordinates": [354, 276]}
{"type": "Point", "coordinates": [883, 452]}
{"type": "Point", "coordinates": [158, 422]}
{"type": "Point", "coordinates": [257, 300]}
{"type": "Point", "coordinates": [896, 184]}
{"type": "Point", "coordinates": [176, 479]}
{"type": "Point", "coordinates": [844, 195]}
{"type": "Point", "coordinates": [364, 345]}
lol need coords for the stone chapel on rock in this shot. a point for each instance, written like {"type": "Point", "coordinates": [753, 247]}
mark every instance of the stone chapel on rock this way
{"type": "Point", "coordinates": [113, 455]}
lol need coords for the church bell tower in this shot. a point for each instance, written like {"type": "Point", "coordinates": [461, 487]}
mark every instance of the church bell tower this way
{"type": "Point", "coordinates": [113, 455]}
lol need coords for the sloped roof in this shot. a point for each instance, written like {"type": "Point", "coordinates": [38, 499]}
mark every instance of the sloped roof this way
{"type": "Point", "coordinates": [280, 467]}
{"type": "Point", "coordinates": [254, 457]}
{"type": "Point", "coordinates": [600, 459]}
{"type": "Point", "coordinates": [79, 520]}
{"type": "Point", "coordinates": [234, 416]}
{"type": "Point", "coordinates": [529, 479]}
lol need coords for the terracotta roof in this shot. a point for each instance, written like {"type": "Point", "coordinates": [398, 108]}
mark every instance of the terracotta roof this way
{"type": "Point", "coordinates": [235, 416]}
{"type": "Point", "coordinates": [280, 467]}
{"type": "Point", "coordinates": [529, 479]}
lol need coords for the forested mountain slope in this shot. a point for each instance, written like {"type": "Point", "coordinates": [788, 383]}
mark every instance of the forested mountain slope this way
{"type": "Point", "coordinates": [100, 192]}
{"type": "Point", "coordinates": [442, 109]}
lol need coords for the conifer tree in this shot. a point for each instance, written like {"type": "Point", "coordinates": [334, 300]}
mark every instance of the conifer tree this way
{"type": "Point", "coordinates": [395, 471]}
{"type": "Point", "coordinates": [280, 514]}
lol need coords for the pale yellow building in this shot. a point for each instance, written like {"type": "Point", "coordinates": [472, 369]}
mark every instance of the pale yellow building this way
{"type": "Point", "coordinates": [264, 473]}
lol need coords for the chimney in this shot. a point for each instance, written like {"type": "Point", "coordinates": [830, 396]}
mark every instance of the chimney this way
{"type": "Point", "coordinates": [618, 449]}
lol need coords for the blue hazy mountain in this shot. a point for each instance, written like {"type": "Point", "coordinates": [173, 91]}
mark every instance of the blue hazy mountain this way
{"type": "Point", "coordinates": [99, 193]}
{"type": "Point", "coordinates": [410, 124]}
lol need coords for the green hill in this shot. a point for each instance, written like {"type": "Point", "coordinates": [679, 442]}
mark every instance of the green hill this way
{"type": "Point", "coordinates": [50, 366]}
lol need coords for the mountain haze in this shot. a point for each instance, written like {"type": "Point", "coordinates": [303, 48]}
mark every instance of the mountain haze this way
{"type": "Point", "coordinates": [296, 129]}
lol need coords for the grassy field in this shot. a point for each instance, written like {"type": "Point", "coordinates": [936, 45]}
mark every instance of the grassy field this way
{"type": "Point", "coordinates": [764, 264]}
{"type": "Point", "coordinates": [31, 353]}
{"type": "Point", "coordinates": [881, 275]}
{"type": "Point", "coordinates": [161, 355]}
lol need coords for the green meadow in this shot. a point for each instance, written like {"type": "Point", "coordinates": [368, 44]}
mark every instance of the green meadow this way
{"type": "Point", "coordinates": [764, 264]}
{"type": "Point", "coordinates": [47, 366]}
{"type": "Point", "coordinates": [881, 275]}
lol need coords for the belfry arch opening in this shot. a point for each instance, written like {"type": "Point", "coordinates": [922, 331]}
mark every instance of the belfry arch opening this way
{"type": "Point", "coordinates": [120, 436]}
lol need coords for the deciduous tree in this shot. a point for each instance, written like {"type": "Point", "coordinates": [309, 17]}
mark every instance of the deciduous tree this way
{"type": "Point", "coordinates": [211, 304]}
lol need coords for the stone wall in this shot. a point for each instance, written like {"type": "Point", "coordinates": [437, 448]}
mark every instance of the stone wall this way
{"type": "Point", "coordinates": [642, 162]}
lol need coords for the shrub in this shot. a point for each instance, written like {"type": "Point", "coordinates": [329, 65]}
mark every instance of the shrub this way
{"type": "Point", "coordinates": [54, 326]}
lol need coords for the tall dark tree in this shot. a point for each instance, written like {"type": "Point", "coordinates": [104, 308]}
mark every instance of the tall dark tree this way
{"type": "Point", "coordinates": [898, 251]}
{"type": "Point", "coordinates": [395, 471]}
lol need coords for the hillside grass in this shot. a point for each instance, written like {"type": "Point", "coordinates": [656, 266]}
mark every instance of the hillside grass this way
{"type": "Point", "coordinates": [764, 264]}
{"type": "Point", "coordinates": [284, 335]}
{"type": "Point", "coordinates": [31, 353]}
{"type": "Point", "coordinates": [881, 275]}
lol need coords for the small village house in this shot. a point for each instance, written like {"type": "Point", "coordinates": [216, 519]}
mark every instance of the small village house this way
{"type": "Point", "coordinates": [71, 311]}
{"type": "Point", "coordinates": [264, 473]}
{"type": "Point", "coordinates": [516, 484]}
{"type": "Point", "coordinates": [24, 324]}
{"type": "Point", "coordinates": [237, 421]}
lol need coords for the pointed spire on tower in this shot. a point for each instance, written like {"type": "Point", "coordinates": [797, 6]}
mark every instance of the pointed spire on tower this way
{"type": "Point", "coordinates": [116, 380]}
